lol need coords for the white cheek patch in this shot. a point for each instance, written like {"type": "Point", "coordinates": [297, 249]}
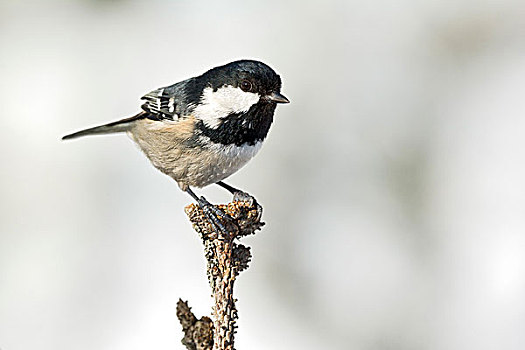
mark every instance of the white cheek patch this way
{"type": "Point", "coordinates": [226, 100]}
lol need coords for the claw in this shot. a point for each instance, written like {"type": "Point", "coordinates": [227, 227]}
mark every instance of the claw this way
{"type": "Point", "coordinates": [241, 196]}
{"type": "Point", "coordinates": [216, 216]}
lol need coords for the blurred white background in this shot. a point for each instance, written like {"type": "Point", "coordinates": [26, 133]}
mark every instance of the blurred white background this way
{"type": "Point", "coordinates": [393, 184]}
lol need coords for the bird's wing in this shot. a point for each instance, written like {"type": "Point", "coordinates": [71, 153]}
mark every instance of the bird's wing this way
{"type": "Point", "coordinates": [163, 103]}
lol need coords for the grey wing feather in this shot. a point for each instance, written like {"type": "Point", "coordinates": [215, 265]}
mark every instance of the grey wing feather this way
{"type": "Point", "coordinates": [164, 103]}
{"type": "Point", "coordinates": [122, 125]}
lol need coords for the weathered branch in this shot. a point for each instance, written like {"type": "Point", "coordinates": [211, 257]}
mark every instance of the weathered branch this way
{"type": "Point", "coordinates": [225, 260]}
{"type": "Point", "coordinates": [198, 334]}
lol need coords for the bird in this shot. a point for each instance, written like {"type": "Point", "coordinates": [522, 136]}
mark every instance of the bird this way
{"type": "Point", "coordinates": [201, 130]}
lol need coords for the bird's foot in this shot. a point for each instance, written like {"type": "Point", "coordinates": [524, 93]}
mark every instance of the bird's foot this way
{"type": "Point", "coordinates": [240, 196]}
{"type": "Point", "coordinates": [221, 222]}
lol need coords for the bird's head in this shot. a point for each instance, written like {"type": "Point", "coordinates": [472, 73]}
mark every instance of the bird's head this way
{"type": "Point", "coordinates": [237, 88]}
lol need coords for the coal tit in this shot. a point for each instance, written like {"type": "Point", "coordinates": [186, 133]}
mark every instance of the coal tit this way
{"type": "Point", "coordinates": [203, 129]}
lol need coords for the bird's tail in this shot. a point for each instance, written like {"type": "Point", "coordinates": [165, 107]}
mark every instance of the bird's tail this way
{"type": "Point", "coordinates": [118, 126]}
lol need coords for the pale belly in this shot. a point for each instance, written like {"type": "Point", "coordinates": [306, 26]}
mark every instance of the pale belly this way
{"type": "Point", "coordinates": [191, 166]}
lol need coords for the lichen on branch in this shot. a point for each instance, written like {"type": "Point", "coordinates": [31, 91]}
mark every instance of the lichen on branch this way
{"type": "Point", "coordinates": [225, 260]}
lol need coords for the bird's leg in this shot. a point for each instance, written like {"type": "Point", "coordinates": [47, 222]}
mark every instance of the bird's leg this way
{"type": "Point", "coordinates": [238, 195]}
{"type": "Point", "coordinates": [212, 212]}
{"type": "Point", "coordinates": [229, 188]}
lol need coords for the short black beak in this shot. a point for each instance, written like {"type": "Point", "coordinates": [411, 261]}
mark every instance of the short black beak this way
{"type": "Point", "coordinates": [277, 98]}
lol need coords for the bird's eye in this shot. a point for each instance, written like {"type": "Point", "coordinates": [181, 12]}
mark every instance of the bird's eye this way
{"type": "Point", "coordinates": [246, 85]}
